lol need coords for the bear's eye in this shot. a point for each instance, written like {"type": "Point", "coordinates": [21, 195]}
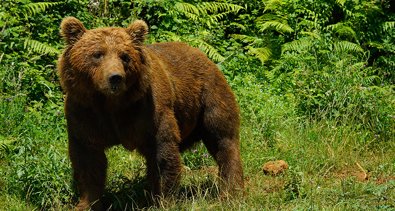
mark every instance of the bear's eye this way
{"type": "Point", "coordinates": [98, 55]}
{"type": "Point", "coordinates": [125, 58]}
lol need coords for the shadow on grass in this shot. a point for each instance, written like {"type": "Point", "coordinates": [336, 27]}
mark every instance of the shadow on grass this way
{"type": "Point", "coordinates": [133, 194]}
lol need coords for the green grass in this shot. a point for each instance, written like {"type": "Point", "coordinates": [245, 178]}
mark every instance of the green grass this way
{"type": "Point", "coordinates": [324, 158]}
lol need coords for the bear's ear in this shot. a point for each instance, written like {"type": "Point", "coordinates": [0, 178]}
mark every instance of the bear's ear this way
{"type": "Point", "coordinates": [71, 30]}
{"type": "Point", "coordinates": [138, 29]}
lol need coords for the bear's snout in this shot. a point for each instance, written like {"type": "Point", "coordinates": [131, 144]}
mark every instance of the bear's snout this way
{"type": "Point", "coordinates": [115, 80]}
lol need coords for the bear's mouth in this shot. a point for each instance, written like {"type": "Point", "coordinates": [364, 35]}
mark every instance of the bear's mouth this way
{"type": "Point", "coordinates": [114, 87]}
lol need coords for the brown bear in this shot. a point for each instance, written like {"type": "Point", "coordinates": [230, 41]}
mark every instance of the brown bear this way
{"type": "Point", "coordinates": [159, 99]}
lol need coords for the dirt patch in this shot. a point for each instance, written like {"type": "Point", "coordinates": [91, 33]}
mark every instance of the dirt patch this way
{"type": "Point", "coordinates": [384, 179]}
{"type": "Point", "coordinates": [358, 175]}
{"type": "Point", "coordinates": [275, 167]}
{"type": "Point", "coordinates": [356, 171]}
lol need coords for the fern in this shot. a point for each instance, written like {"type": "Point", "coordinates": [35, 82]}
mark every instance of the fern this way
{"type": "Point", "coordinates": [278, 26]}
{"type": "Point", "coordinates": [5, 144]}
{"type": "Point", "coordinates": [37, 7]}
{"type": "Point", "coordinates": [273, 4]}
{"type": "Point", "coordinates": [186, 8]}
{"type": "Point", "coordinates": [303, 44]}
{"type": "Point", "coordinates": [210, 51]}
{"type": "Point", "coordinates": [219, 16]}
{"type": "Point", "coordinates": [238, 25]}
{"type": "Point", "coordinates": [206, 12]}
{"type": "Point", "coordinates": [215, 7]}
{"type": "Point", "coordinates": [270, 75]}
{"type": "Point", "coordinates": [311, 34]}
{"type": "Point", "coordinates": [341, 2]}
{"type": "Point", "coordinates": [256, 47]}
{"type": "Point", "coordinates": [388, 25]}
{"type": "Point", "coordinates": [343, 30]}
{"type": "Point", "coordinates": [375, 45]}
{"type": "Point", "coordinates": [245, 38]}
{"type": "Point", "coordinates": [39, 47]}
{"type": "Point", "coordinates": [263, 54]}
{"type": "Point", "coordinates": [349, 47]}
{"type": "Point", "coordinates": [192, 16]}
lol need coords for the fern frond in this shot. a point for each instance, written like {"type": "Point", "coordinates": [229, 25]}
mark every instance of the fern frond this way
{"type": "Point", "coordinates": [238, 25]}
{"type": "Point", "coordinates": [206, 12]}
{"type": "Point", "coordinates": [369, 79]}
{"type": "Point", "coordinates": [37, 7]}
{"type": "Point", "coordinates": [9, 30]}
{"type": "Point", "coordinates": [303, 44]}
{"type": "Point", "coordinates": [186, 8]}
{"type": "Point", "coordinates": [388, 25]}
{"type": "Point", "coordinates": [270, 75]}
{"type": "Point", "coordinates": [311, 34]}
{"type": "Point", "coordinates": [209, 50]}
{"type": "Point", "coordinates": [278, 26]}
{"type": "Point", "coordinates": [218, 17]}
{"type": "Point", "coordinates": [376, 45]}
{"type": "Point", "coordinates": [5, 144]}
{"type": "Point", "coordinates": [39, 47]}
{"type": "Point", "coordinates": [341, 2]}
{"type": "Point", "coordinates": [216, 7]}
{"type": "Point", "coordinates": [343, 30]}
{"type": "Point", "coordinates": [309, 24]}
{"type": "Point", "coordinates": [263, 54]}
{"type": "Point", "coordinates": [273, 4]}
{"type": "Point", "coordinates": [192, 16]}
{"type": "Point", "coordinates": [244, 38]}
{"type": "Point", "coordinates": [346, 46]}
{"type": "Point", "coordinates": [358, 65]}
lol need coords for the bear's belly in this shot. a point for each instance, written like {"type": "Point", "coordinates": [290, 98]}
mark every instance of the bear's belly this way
{"type": "Point", "coordinates": [129, 145]}
{"type": "Point", "coordinates": [132, 133]}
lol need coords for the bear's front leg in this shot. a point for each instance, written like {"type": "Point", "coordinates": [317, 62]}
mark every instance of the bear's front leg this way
{"type": "Point", "coordinates": [163, 157]}
{"type": "Point", "coordinates": [89, 172]}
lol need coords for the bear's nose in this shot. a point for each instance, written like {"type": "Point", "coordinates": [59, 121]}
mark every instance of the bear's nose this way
{"type": "Point", "coordinates": [115, 79]}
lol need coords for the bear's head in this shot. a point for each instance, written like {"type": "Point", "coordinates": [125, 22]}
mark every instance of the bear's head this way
{"type": "Point", "coordinates": [109, 60]}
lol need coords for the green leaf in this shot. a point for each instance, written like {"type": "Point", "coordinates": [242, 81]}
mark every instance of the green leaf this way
{"type": "Point", "coordinates": [210, 51]}
{"type": "Point", "coordinates": [276, 25]}
{"type": "Point", "coordinates": [39, 47]}
{"type": "Point", "coordinates": [346, 46]}
{"type": "Point", "coordinates": [37, 7]}
{"type": "Point", "coordinates": [263, 54]}
{"type": "Point", "coordinates": [303, 44]}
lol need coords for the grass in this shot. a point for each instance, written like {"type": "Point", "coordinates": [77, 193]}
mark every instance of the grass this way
{"type": "Point", "coordinates": [332, 166]}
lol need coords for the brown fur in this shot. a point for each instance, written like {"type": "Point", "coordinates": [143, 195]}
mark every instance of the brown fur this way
{"type": "Point", "coordinates": [164, 98]}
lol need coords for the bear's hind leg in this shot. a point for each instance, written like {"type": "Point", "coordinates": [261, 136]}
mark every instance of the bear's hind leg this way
{"type": "Point", "coordinates": [221, 137]}
{"type": "Point", "coordinates": [226, 152]}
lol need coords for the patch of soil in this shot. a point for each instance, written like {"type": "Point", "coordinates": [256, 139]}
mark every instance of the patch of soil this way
{"type": "Point", "coordinates": [384, 179]}
{"type": "Point", "coordinates": [359, 175]}
{"type": "Point", "coordinates": [275, 168]}
{"type": "Point", "coordinates": [356, 171]}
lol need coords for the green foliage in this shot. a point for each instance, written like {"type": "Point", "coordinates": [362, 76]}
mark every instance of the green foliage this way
{"type": "Point", "coordinates": [37, 7]}
{"type": "Point", "coordinates": [39, 47]}
{"type": "Point", "coordinates": [15, 33]}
